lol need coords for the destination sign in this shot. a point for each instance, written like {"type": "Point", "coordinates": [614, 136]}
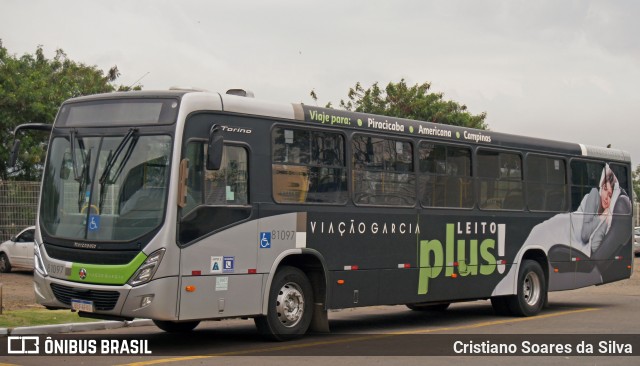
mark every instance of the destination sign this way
{"type": "Point", "coordinates": [339, 118]}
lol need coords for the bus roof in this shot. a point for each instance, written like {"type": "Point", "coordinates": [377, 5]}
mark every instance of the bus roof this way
{"type": "Point", "coordinates": [365, 122]}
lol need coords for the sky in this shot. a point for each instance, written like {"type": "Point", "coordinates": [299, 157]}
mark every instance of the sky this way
{"type": "Point", "coordinates": [563, 70]}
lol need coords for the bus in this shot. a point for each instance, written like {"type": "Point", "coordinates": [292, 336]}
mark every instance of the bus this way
{"type": "Point", "coordinates": [184, 205]}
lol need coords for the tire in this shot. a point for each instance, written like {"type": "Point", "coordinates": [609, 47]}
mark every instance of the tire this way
{"type": "Point", "coordinates": [436, 308]}
{"type": "Point", "coordinates": [176, 327]}
{"type": "Point", "coordinates": [501, 305]}
{"type": "Point", "coordinates": [532, 290]}
{"type": "Point", "coordinates": [5, 265]}
{"type": "Point", "coordinates": [289, 310]}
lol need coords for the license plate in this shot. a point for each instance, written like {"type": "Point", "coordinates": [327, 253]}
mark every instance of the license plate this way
{"type": "Point", "coordinates": [82, 305]}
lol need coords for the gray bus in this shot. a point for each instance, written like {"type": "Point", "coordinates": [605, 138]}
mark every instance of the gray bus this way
{"type": "Point", "coordinates": [182, 206]}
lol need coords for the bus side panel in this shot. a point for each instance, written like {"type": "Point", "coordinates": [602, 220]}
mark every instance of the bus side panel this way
{"type": "Point", "coordinates": [221, 268]}
{"type": "Point", "coordinates": [398, 286]}
{"type": "Point", "coordinates": [617, 269]}
{"type": "Point", "coordinates": [354, 288]}
{"type": "Point", "coordinates": [418, 258]}
{"type": "Point", "coordinates": [275, 235]}
{"type": "Point", "coordinates": [221, 296]}
{"type": "Point", "coordinates": [367, 241]}
{"type": "Point", "coordinates": [402, 286]}
{"type": "Point", "coordinates": [616, 260]}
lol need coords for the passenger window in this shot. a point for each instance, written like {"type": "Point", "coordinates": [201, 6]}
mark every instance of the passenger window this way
{"type": "Point", "coordinates": [592, 177]}
{"type": "Point", "coordinates": [383, 172]}
{"type": "Point", "coordinates": [621, 204]}
{"type": "Point", "coordinates": [500, 180]}
{"type": "Point", "coordinates": [546, 184]}
{"type": "Point", "coordinates": [585, 176]}
{"type": "Point", "coordinates": [622, 177]}
{"type": "Point", "coordinates": [308, 166]}
{"type": "Point", "coordinates": [445, 179]}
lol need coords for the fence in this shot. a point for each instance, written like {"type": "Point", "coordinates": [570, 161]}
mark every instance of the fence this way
{"type": "Point", "coordinates": [18, 205]}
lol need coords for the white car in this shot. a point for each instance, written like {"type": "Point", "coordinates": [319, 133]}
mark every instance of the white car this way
{"type": "Point", "coordinates": [17, 252]}
{"type": "Point", "coordinates": [636, 240]}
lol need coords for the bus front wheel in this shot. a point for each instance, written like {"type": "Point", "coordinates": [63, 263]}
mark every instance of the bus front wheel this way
{"type": "Point", "coordinates": [532, 290]}
{"type": "Point", "coordinates": [289, 309]}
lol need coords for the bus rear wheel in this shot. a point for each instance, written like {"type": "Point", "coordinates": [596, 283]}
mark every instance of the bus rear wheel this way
{"type": "Point", "coordinates": [289, 309]}
{"type": "Point", "coordinates": [176, 327]}
{"type": "Point", "coordinates": [532, 290]}
{"type": "Point", "coordinates": [501, 305]}
{"type": "Point", "coordinates": [429, 307]}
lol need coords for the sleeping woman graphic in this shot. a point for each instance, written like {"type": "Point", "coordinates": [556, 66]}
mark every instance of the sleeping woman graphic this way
{"type": "Point", "coordinates": [581, 244]}
{"type": "Point", "coordinates": [596, 208]}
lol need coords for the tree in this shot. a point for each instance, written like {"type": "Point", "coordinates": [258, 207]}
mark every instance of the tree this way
{"type": "Point", "coordinates": [32, 88]}
{"type": "Point", "coordinates": [415, 102]}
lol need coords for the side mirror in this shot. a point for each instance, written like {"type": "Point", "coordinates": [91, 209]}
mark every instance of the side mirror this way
{"type": "Point", "coordinates": [13, 238]}
{"type": "Point", "coordinates": [214, 148]}
{"type": "Point", "coordinates": [13, 157]}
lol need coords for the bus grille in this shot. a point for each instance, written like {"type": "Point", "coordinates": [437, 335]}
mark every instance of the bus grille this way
{"type": "Point", "coordinates": [102, 300]}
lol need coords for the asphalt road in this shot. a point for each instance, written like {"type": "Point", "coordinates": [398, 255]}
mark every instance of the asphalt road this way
{"type": "Point", "coordinates": [395, 335]}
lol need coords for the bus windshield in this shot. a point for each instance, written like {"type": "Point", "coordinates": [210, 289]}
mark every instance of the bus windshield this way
{"type": "Point", "coordinates": [105, 188]}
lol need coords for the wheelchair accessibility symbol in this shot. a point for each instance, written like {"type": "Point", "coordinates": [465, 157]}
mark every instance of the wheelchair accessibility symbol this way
{"type": "Point", "coordinates": [265, 240]}
{"type": "Point", "coordinates": [94, 223]}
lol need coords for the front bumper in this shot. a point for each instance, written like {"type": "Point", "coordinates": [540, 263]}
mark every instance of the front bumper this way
{"type": "Point", "coordinates": [116, 301]}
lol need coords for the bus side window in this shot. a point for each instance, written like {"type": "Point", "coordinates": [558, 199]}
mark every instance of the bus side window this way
{"type": "Point", "coordinates": [546, 183]}
{"type": "Point", "coordinates": [215, 198]}
{"type": "Point", "coordinates": [228, 185]}
{"type": "Point", "coordinates": [620, 171]}
{"type": "Point", "coordinates": [383, 172]}
{"type": "Point", "coordinates": [308, 166]}
{"type": "Point", "coordinates": [585, 176]}
{"type": "Point", "coordinates": [500, 180]}
{"type": "Point", "coordinates": [622, 177]}
{"type": "Point", "coordinates": [445, 179]}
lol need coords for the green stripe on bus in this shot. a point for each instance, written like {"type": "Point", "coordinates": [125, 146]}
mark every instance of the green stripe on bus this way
{"type": "Point", "coordinates": [106, 274]}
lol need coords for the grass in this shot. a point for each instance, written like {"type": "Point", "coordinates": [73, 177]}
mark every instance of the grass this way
{"type": "Point", "coordinates": [26, 318]}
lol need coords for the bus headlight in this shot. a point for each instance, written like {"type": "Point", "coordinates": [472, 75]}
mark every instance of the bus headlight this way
{"type": "Point", "coordinates": [38, 262]}
{"type": "Point", "coordinates": [147, 269]}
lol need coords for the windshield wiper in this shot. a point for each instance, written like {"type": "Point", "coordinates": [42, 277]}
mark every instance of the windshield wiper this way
{"type": "Point", "coordinates": [74, 163]}
{"type": "Point", "coordinates": [81, 177]}
{"type": "Point", "coordinates": [113, 157]}
{"type": "Point", "coordinates": [83, 181]}
{"type": "Point", "coordinates": [111, 160]}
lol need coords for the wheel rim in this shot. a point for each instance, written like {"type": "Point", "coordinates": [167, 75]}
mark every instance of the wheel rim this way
{"type": "Point", "coordinates": [3, 263]}
{"type": "Point", "coordinates": [531, 288]}
{"type": "Point", "coordinates": [290, 304]}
